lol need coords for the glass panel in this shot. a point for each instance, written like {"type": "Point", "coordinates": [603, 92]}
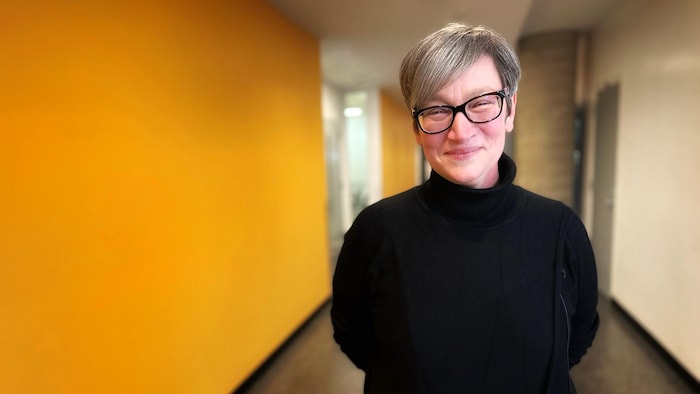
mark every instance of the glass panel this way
{"type": "Point", "coordinates": [358, 153]}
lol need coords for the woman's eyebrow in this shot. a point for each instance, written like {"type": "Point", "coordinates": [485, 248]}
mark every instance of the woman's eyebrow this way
{"type": "Point", "coordinates": [471, 94]}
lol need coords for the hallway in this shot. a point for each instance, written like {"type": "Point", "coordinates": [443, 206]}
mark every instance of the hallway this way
{"type": "Point", "coordinates": [621, 361]}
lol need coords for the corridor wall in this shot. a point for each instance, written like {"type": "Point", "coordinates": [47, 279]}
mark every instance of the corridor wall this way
{"type": "Point", "coordinates": [650, 49]}
{"type": "Point", "coordinates": [163, 193]}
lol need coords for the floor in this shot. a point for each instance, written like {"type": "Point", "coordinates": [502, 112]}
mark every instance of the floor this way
{"type": "Point", "coordinates": [621, 361]}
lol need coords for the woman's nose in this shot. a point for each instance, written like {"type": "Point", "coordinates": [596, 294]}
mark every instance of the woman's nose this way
{"type": "Point", "coordinates": [462, 128]}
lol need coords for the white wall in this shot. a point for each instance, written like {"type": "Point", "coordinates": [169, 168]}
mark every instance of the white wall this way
{"type": "Point", "coordinates": [335, 146]}
{"type": "Point", "coordinates": [652, 49]}
{"type": "Point", "coordinates": [364, 144]}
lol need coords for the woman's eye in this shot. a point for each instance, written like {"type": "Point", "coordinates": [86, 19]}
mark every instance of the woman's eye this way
{"type": "Point", "coordinates": [436, 112]}
{"type": "Point", "coordinates": [481, 104]}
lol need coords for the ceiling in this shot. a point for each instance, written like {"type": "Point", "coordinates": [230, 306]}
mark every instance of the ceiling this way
{"type": "Point", "coordinates": [363, 41]}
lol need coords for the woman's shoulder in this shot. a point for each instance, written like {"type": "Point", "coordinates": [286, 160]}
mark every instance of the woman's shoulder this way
{"type": "Point", "coordinates": [541, 207]}
{"type": "Point", "coordinates": [389, 210]}
{"type": "Point", "coordinates": [543, 213]}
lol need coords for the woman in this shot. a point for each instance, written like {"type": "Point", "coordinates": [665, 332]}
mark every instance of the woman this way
{"type": "Point", "coordinates": [467, 283]}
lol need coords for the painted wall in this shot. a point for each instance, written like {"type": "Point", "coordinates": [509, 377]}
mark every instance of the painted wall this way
{"type": "Point", "coordinates": [163, 194]}
{"type": "Point", "coordinates": [651, 49]}
{"type": "Point", "coordinates": [398, 147]}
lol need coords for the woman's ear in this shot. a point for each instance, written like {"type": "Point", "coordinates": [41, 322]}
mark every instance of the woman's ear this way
{"type": "Point", "coordinates": [417, 135]}
{"type": "Point", "coordinates": [511, 114]}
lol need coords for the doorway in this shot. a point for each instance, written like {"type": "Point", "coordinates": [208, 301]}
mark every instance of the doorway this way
{"type": "Point", "coordinates": [352, 143]}
{"type": "Point", "coordinates": [604, 182]}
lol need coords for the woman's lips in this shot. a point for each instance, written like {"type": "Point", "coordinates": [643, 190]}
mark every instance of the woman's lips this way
{"type": "Point", "coordinates": [463, 153]}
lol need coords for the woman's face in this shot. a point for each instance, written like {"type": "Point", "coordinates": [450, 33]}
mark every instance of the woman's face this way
{"type": "Point", "coordinates": [467, 153]}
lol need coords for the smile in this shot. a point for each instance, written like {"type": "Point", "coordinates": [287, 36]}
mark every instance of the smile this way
{"type": "Point", "coordinates": [461, 154]}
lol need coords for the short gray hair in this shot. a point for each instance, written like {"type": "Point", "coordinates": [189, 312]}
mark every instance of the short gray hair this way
{"type": "Point", "coordinates": [442, 56]}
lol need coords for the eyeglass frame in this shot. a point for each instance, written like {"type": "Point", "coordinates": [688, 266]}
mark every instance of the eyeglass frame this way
{"type": "Point", "coordinates": [415, 113]}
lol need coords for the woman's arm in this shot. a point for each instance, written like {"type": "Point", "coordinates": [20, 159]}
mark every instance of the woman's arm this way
{"type": "Point", "coordinates": [580, 262]}
{"type": "Point", "coordinates": [350, 312]}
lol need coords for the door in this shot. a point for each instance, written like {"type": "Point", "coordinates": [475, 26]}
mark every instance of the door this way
{"type": "Point", "coordinates": [604, 182]}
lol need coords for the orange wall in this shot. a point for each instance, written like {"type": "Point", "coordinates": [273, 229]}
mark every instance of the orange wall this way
{"type": "Point", "coordinates": [163, 193]}
{"type": "Point", "coordinates": [398, 147]}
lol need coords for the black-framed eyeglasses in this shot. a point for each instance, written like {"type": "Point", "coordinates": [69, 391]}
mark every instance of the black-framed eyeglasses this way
{"type": "Point", "coordinates": [480, 109]}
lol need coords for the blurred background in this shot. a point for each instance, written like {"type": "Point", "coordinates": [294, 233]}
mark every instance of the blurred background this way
{"type": "Point", "coordinates": [176, 177]}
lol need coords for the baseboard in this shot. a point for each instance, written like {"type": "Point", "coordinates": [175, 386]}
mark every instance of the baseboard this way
{"type": "Point", "coordinates": [668, 357]}
{"type": "Point", "coordinates": [245, 386]}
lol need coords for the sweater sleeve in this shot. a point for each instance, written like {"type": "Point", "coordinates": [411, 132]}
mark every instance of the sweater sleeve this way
{"type": "Point", "coordinates": [583, 285]}
{"type": "Point", "coordinates": [350, 311]}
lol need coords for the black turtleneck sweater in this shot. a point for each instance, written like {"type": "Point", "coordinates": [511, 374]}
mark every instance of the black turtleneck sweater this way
{"type": "Point", "coordinates": [446, 289]}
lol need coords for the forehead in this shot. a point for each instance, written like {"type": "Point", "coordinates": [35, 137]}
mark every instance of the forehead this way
{"type": "Point", "coordinates": [478, 78]}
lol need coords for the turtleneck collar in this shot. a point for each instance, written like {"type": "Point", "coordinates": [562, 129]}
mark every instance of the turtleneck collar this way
{"type": "Point", "coordinates": [474, 207]}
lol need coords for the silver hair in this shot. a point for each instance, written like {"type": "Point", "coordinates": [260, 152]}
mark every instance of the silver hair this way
{"type": "Point", "coordinates": [442, 56]}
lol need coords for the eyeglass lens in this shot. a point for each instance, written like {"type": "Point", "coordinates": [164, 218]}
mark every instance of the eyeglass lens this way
{"type": "Point", "coordinates": [480, 109]}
